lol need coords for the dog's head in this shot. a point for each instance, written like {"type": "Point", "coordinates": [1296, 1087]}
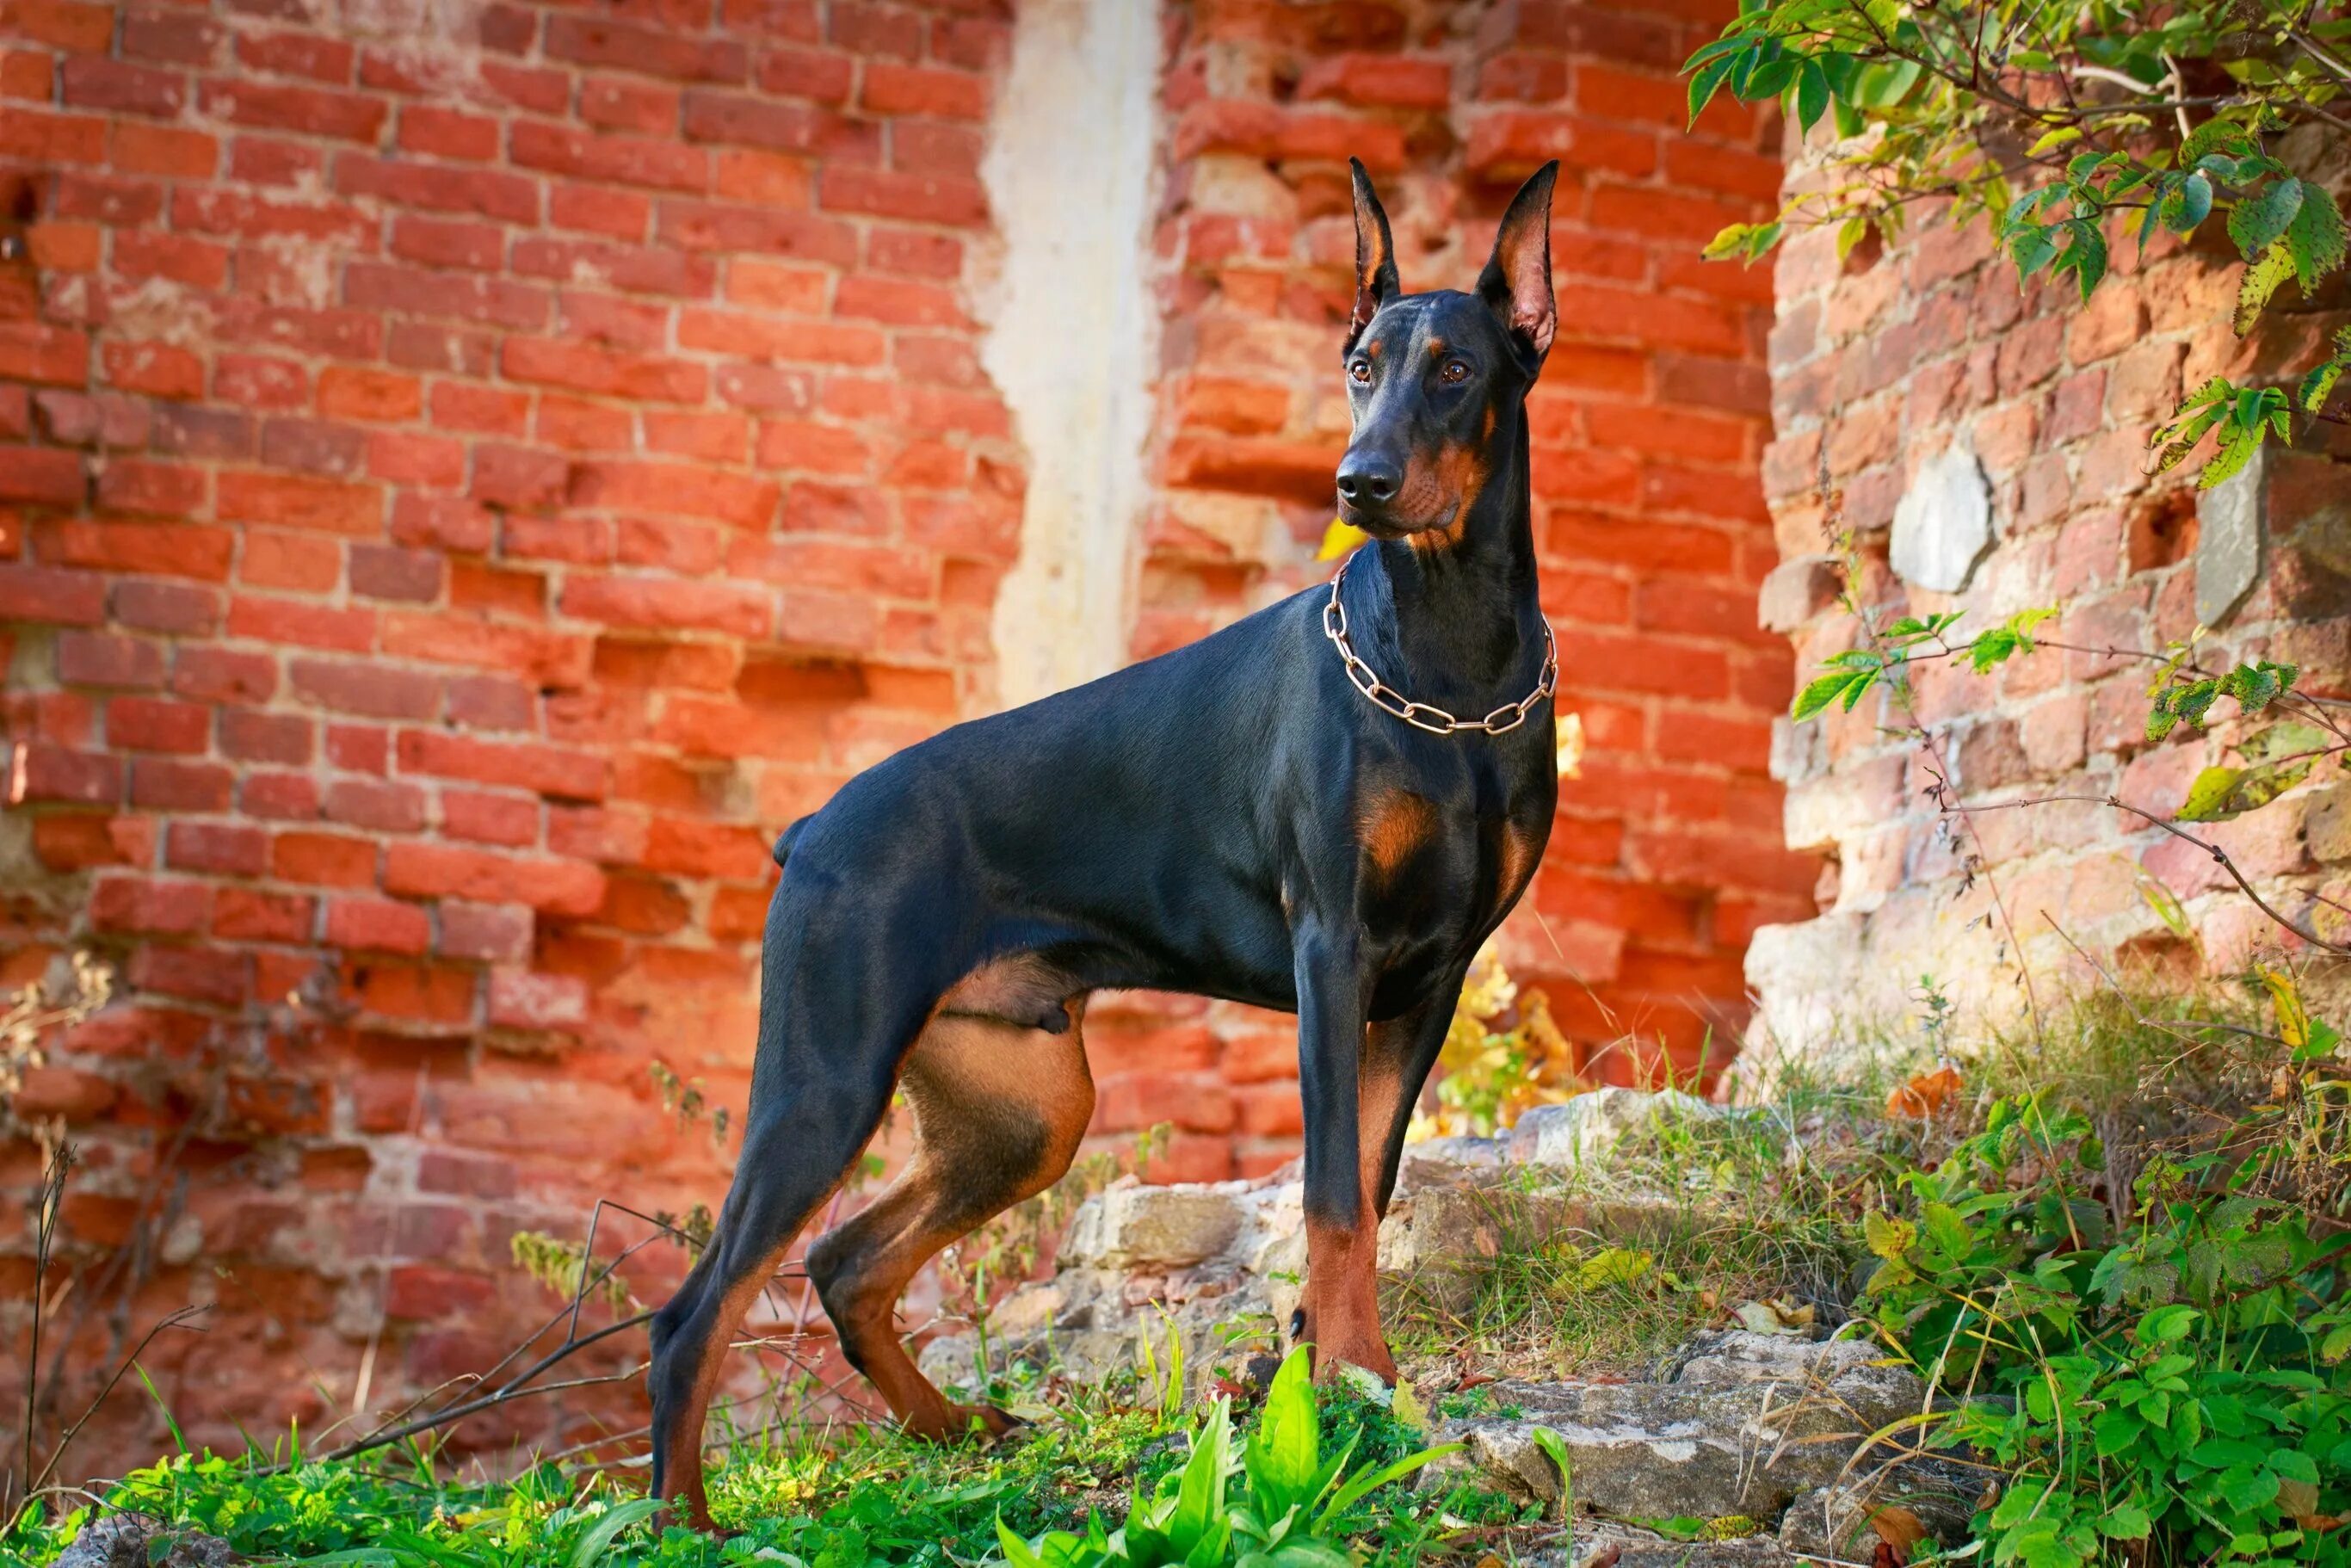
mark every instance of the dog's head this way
{"type": "Point", "coordinates": [1431, 378]}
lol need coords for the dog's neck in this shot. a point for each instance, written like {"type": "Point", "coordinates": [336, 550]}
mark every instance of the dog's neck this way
{"type": "Point", "coordinates": [1464, 613]}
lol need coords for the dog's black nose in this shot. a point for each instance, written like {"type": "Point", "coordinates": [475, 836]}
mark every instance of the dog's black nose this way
{"type": "Point", "coordinates": [1368, 481]}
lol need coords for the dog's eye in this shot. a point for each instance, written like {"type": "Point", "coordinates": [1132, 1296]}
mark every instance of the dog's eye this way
{"type": "Point", "coordinates": [1455, 371]}
{"type": "Point", "coordinates": [1360, 372]}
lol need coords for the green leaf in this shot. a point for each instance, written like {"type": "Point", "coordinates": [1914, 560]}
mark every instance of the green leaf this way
{"type": "Point", "coordinates": [2125, 1522]}
{"type": "Point", "coordinates": [1707, 81]}
{"type": "Point", "coordinates": [2316, 237]}
{"type": "Point", "coordinates": [2085, 253]}
{"type": "Point", "coordinates": [1825, 689]}
{"type": "Point", "coordinates": [1363, 1485]}
{"type": "Point", "coordinates": [2189, 203]}
{"type": "Point", "coordinates": [599, 1536]}
{"type": "Point", "coordinates": [2259, 222]}
{"type": "Point", "coordinates": [1812, 94]}
{"type": "Point", "coordinates": [1283, 1456]}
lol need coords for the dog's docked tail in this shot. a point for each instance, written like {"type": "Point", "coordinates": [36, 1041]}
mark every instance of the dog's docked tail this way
{"type": "Point", "coordinates": [784, 844]}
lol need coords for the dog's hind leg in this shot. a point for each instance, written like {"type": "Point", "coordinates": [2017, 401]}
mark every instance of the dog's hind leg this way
{"type": "Point", "coordinates": [999, 1109]}
{"type": "Point", "coordinates": [799, 1141]}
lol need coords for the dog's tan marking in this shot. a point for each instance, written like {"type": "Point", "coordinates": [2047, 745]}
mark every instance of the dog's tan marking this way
{"type": "Point", "coordinates": [999, 1109]}
{"type": "Point", "coordinates": [1394, 824]}
{"type": "Point", "coordinates": [1518, 857]}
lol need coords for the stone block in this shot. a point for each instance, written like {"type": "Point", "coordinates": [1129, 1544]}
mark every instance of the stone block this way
{"type": "Point", "coordinates": [1587, 1128]}
{"type": "Point", "coordinates": [2230, 519]}
{"type": "Point", "coordinates": [1795, 591]}
{"type": "Point", "coordinates": [1942, 526]}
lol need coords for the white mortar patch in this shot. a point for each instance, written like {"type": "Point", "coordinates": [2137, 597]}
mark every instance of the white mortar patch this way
{"type": "Point", "coordinates": [1070, 343]}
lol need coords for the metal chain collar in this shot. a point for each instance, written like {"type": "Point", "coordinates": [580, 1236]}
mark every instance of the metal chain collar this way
{"type": "Point", "coordinates": [1421, 716]}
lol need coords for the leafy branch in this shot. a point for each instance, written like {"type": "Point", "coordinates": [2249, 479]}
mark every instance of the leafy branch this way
{"type": "Point", "coordinates": [2065, 128]}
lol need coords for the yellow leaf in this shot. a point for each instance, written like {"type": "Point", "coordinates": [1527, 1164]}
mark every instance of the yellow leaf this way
{"type": "Point", "coordinates": [1571, 746]}
{"type": "Point", "coordinates": [1407, 1408]}
{"type": "Point", "coordinates": [1339, 539]}
{"type": "Point", "coordinates": [2292, 1016]}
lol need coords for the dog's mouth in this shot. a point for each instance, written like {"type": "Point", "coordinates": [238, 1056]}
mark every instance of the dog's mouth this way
{"type": "Point", "coordinates": [1397, 519]}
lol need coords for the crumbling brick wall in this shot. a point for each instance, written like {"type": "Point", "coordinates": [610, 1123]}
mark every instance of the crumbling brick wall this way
{"type": "Point", "coordinates": [1881, 365]}
{"type": "Point", "coordinates": [471, 478]}
{"type": "Point", "coordinates": [471, 474]}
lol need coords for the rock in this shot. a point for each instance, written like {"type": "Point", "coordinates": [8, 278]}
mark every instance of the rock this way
{"type": "Point", "coordinates": [1636, 1548]}
{"type": "Point", "coordinates": [1127, 1227]}
{"type": "Point", "coordinates": [1748, 1424]}
{"type": "Point", "coordinates": [1450, 1161]}
{"type": "Point", "coordinates": [1933, 1497]}
{"type": "Point", "coordinates": [1942, 526]}
{"type": "Point", "coordinates": [2229, 522]}
{"type": "Point", "coordinates": [1585, 1129]}
{"type": "Point", "coordinates": [134, 1541]}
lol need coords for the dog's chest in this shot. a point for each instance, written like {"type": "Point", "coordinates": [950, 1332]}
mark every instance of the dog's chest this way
{"type": "Point", "coordinates": [1442, 859]}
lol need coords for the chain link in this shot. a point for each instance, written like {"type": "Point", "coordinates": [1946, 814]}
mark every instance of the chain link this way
{"type": "Point", "coordinates": [1421, 716]}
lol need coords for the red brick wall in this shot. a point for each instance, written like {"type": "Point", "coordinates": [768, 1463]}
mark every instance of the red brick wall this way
{"type": "Point", "coordinates": [1647, 426]}
{"type": "Point", "coordinates": [465, 493]}
{"type": "Point", "coordinates": [466, 489]}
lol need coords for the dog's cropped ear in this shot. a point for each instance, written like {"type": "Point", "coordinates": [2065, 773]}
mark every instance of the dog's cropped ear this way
{"type": "Point", "coordinates": [1375, 268]}
{"type": "Point", "coordinates": [1516, 280]}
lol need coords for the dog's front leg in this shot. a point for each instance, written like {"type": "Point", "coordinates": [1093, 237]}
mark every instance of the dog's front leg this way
{"type": "Point", "coordinates": [1340, 1314]}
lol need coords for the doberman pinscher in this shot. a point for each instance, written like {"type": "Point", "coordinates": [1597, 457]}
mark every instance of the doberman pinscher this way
{"type": "Point", "coordinates": [1324, 808]}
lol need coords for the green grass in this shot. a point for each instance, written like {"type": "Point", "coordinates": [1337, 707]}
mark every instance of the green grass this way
{"type": "Point", "coordinates": [1683, 1225]}
{"type": "Point", "coordinates": [1619, 1266]}
{"type": "Point", "coordinates": [853, 1497]}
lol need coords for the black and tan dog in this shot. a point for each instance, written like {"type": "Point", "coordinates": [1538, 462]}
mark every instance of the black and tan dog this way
{"type": "Point", "coordinates": [1324, 808]}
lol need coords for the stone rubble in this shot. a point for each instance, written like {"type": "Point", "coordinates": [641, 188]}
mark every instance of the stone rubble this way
{"type": "Point", "coordinates": [1758, 1425]}
{"type": "Point", "coordinates": [134, 1541]}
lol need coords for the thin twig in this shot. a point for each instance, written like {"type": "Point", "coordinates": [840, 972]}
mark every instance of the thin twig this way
{"type": "Point", "coordinates": [182, 1319]}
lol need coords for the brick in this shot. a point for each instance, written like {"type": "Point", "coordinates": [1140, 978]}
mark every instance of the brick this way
{"type": "Point", "coordinates": [151, 724]}
{"type": "Point", "coordinates": [349, 393]}
{"type": "Point", "coordinates": [41, 476]}
{"type": "Point", "coordinates": [440, 132]}
{"type": "Point", "coordinates": [247, 735]}
{"type": "Point", "coordinates": [151, 905]}
{"type": "Point", "coordinates": [313, 111]}
{"type": "Point", "coordinates": [653, 51]}
{"type": "Point", "coordinates": [324, 860]}
{"type": "Point", "coordinates": [372, 690]}
{"type": "Point", "coordinates": [378, 925]}
{"type": "Point", "coordinates": [249, 914]}
{"type": "Point", "coordinates": [225, 849]}
{"type": "Point", "coordinates": [521, 999]}
{"type": "Point", "coordinates": [42, 772]}
{"type": "Point", "coordinates": [294, 623]}
{"type": "Point", "coordinates": [42, 594]}
{"type": "Point", "coordinates": [296, 501]}
{"type": "Point", "coordinates": [92, 659]}
{"type": "Point", "coordinates": [490, 933]}
{"type": "Point", "coordinates": [548, 887]}
{"type": "Point", "coordinates": [891, 88]}
{"type": "Point", "coordinates": [121, 88]}
{"type": "Point", "coordinates": [888, 194]}
{"type": "Point", "coordinates": [544, 769]}
{"type": "Point", "coordinates": [379, 571]}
